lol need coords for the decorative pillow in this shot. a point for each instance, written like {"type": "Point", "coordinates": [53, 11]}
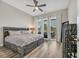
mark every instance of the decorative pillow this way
{"type": "Point", "coordinates": [6, 33]}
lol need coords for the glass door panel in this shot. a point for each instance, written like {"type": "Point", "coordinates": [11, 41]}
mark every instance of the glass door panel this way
{"type": "Point", "coordinates": [53, 28]}
{"type": "Point", "coordinates": [45, 28]}
{"type": "Point", "coordinates": [39, 27]}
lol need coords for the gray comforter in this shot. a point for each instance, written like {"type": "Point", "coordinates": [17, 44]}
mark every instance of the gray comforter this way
{"type": "Point", "coordinates": [22, 40]}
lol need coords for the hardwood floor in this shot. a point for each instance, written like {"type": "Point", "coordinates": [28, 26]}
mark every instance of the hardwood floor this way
{"type": "Point", "coordinates": [7, 53]}
{"type": "Point", "coordinates": [49, 49]}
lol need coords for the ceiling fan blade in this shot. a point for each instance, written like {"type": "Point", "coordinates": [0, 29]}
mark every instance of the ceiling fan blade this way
{"type": "Point", "coordinates": [35, 2]}
{"type": "Point", "coordinates": [40, 9]}
{"type": "Point", "coordinates": [34, 10]}
{"type": "Point", "coordinates": [42, 5]}
{"type": "Point", "coordinates": [30, 5]}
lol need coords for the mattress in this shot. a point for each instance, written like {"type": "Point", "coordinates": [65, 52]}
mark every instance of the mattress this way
{"type": "Point", "coordinates": [22, 40]}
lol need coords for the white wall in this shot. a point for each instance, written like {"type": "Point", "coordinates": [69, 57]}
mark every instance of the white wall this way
{"type": "Point", "coordinates": [1, 36]}
{"type": "Point", "coordinates": [72, 12]}
{"type": "Point", "coordinates": [78, 28]}
{"type": "Point", "coordinates": [77, 7]}
{"type": "Point", "coordinates": [78, 19]}
{"type": "Point", "coordinates": [78, 37]}
{"type": "Point", "coordinates": [12, 17]}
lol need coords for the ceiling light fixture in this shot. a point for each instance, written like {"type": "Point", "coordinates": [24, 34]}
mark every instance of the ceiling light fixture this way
{"type": "Point", "coordinates": [36, 8]}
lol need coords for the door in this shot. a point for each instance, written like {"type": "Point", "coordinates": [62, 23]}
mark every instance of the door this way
{"type": "Point", "coordinates": [50, 26]}
{"type": "Point", "coordinates": [39, 27]}
{"type": "Point", "coordinates": [46, 28]}
{"type": "Point", "coordinates": [53, 28]}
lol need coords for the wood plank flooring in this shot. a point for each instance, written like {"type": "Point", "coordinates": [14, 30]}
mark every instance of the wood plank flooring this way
{"type": "Point", "coordinates": [49, 49]}
{"type": "Point", "coordinates": [7, 53]}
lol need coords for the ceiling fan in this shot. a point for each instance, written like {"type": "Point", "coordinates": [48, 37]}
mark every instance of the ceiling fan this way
{"type": "Point", "coordinates": [36, 6]}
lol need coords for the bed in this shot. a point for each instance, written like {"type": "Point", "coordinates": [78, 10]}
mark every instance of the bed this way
{"type": "Point", "coordinates": [23, 43]}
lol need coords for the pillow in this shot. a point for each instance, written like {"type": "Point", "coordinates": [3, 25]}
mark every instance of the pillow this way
{"type": "Point", "coordinates": [14, 32]}
{"type": "Point", "coordinates": [6, 33]}
{"type": "Point", "coordinates": [25, 32]}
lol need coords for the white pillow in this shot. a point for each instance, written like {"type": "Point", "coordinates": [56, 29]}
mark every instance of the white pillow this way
{"type": "Point", "coordinates": [25, 32]}
{"type": "Point", "coordinates": [15, 32]}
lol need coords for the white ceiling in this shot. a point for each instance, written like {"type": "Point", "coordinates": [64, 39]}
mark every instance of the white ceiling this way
{"type": "Point", "coordinates": [52, 5]}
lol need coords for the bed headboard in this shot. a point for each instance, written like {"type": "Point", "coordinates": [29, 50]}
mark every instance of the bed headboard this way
{"type": "Point", "coordinates": [14, 28]}
{"type": "Point", "coordinates": [6, 29]}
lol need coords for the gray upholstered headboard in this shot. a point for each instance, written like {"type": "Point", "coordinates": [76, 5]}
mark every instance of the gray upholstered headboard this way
{"type": "Point", "coordinates": [14, 28]}
{"type": "Point", "coordinates": [7, 29]}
